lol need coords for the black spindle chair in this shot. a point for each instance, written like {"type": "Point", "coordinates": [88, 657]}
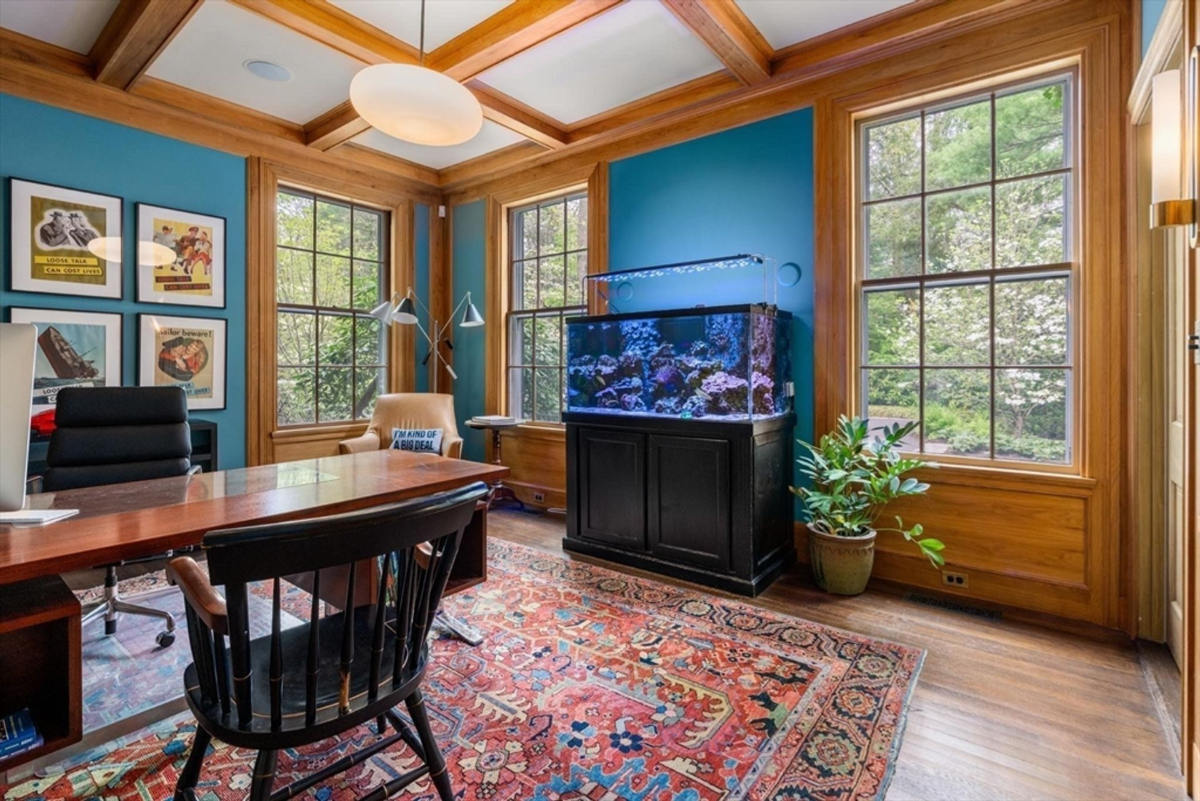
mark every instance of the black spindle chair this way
{"type": "Point", "coordinates": [314, 681]}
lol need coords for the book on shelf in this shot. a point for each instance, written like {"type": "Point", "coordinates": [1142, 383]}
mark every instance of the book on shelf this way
{"type": "Point", "coordinates": [18, 734]}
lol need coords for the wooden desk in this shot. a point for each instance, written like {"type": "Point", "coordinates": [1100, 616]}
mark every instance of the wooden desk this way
{"type": "Point", "coordinates": [125, 521]}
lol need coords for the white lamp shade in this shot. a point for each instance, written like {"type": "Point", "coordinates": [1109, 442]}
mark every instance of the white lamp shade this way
{"type": "Point", "coordinates": [150, 254]}
{"type": "Point", "coordinates": [416, 104]}
{"type": "Point", "coordinates": [405, 312]}
{"type": "Point", "coordinates": [1167, 137]}
{"type": "Point", "coordinates": [107, 248]}
{"type": "Point", "coordinates": [382, 312]}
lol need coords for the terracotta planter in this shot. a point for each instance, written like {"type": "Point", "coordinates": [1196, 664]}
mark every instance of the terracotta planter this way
{"type": "Point", "coordinates": [841, 565]}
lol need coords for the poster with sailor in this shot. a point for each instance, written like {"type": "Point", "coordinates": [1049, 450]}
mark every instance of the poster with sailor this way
{"type": "Point", "coordinates": [188, 352]}
{"type": "Point", "coordinates": [64, 241]}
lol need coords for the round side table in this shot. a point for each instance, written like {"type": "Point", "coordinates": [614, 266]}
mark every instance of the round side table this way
{"type": "Point", "coordinates": [498, 492]}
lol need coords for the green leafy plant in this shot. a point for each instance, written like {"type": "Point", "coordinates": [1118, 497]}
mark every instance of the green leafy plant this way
{"type": "Point", "coordinates": [854, 478]}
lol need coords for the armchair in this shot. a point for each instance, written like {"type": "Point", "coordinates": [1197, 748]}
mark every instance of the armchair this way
{"type": "Point", "coordinates": [408, 410]}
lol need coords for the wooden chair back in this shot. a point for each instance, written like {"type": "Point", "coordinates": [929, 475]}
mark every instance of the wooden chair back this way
{"type": "Point", "coordinates": [412, 545]}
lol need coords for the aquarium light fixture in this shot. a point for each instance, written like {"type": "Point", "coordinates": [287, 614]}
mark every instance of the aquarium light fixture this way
{"type": "Point", "coordinates": [684, 267]}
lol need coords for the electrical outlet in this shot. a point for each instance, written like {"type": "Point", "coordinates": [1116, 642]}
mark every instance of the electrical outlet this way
{"type": "Point", "coordinates": [539, 497]}
{"type": "Point", "coordinates": [953, 579]}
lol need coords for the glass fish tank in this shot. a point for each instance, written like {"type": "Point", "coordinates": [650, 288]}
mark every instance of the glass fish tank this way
{"type": "Point", "coordinates": [725, 363]}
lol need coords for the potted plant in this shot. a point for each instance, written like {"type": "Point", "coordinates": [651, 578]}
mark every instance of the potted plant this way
{"type": "Point", "coordinates": [852, 479]}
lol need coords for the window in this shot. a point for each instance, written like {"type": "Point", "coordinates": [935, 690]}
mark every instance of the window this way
{"type": "Point", "coordinates": [967, 274]}
{"type": "Point", "coordinates": [549, 262]}
{"type": "Point", "coordinates": [331, 269]}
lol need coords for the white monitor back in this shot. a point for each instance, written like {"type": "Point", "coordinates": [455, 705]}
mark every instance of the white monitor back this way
{"type": "Point", "coordinates": [18, 347]}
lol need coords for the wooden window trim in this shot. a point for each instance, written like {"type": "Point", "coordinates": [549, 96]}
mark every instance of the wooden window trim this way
{"type": "Point", "coordinates": [512, 313]}
{"type": "Point", "coordinates": [589, 176]}
{"type": "Point", "coordinates": [264, 180]}
{"type": "Point", "coordinates": [950, 97]}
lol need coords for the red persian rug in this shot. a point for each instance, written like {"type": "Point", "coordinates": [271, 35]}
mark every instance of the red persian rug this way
{"type": "Point", "coordinates": [594, 686]}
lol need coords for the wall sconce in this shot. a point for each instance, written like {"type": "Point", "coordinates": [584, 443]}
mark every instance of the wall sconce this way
{"type": "Point", "coordinates": [1168, 206]}
{"type": "Point", "coordinates": [1174, 121]}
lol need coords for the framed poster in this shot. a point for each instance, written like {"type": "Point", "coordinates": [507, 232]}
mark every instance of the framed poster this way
{"type": "Point", "coordinates": [188, 352]}
{"type": "Point", "coordinates": [52, 228]}
{"type": "Point", "coordinates": [181, 257]}
{"type": "Point", "coordinates": [74, 349]}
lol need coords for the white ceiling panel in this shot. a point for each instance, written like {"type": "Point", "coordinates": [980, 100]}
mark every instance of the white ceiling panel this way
{"type": "Point", "coordinates": [490, 137]}
{"type": "Point", "coordinates": [444, 19]}
{"type": "Point", "coordinates": [73, 24]}
{"type": "Point", "coordinates": [786, 22]}
{"type": "Point", "coordinates": [209, 53]}
{"type": "Point", "coordinates": [635, 50]}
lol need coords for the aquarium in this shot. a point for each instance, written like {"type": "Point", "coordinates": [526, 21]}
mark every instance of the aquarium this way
{"type": "Point", "coordinates": [719, 363]}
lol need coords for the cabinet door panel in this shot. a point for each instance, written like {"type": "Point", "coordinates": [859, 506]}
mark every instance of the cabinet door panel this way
{"type": "Point", "coordinates": [688, 499]}
{"type": "Point", "coordinates": [612, 487]}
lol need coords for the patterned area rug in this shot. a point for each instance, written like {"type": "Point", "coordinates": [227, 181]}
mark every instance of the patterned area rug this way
{"type": "Point", "coordinates": [128, 673]}
{"type": "Point", "coordinates": [595, 686]}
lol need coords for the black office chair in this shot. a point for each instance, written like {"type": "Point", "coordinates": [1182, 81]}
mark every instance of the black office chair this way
{"type": "Point", "coordinates": [110, 435]}
{"type": "Point", "coordinates": [295, 687]}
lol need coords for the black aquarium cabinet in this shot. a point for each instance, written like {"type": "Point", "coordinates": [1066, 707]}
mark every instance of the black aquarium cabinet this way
{"type": "Point", "coordinates": [679, 443]}
{"type": "Point", "coordinates": [701, 501]}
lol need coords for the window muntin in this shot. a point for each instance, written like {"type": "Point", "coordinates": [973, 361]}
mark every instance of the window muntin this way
{"type": "Point", "coordinates": [967, 274]}
{"type": "Point", "coordinates": [331, 269]}
{"type": "Point", "coordinates": [548, 262]}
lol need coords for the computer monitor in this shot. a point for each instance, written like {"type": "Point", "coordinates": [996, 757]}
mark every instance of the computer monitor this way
{"type": "Point", "coordinates": [18, 348]}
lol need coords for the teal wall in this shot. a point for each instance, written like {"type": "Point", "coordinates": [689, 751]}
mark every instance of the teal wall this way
{"type": "Point", "coordinates": [1152, 11]}
{"type": "Point", "coordinates": [749, 189]}
{"type": "Point", "coordinates": [746, 190]}
{"type": "Point", "coordinates": [421, 287]}
{"type": "Point", "coordinates": [49, 145]}
{"type": "Point", "coordinates": [468, 275]}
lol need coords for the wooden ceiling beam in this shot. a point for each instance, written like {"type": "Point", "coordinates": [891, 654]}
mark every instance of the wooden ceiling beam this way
{"type": "Point", "coordinates": [331, 26]}
{"type": "Point", "coordinates": [667, 101]}
{"type": "Point", "coordinates": [136, 33]}
{"type": "Point", "coordinates": [785, 92]}
{"type": "Point", "coordinates": [328, 24]}
{"type": "Point", "coordinates": [21, 49]}
{"type": "Point", "coordinates": [900, 30]}
{"type": "Point", "coordinates": [516, 28]}
{"type": "Point", "coordinates": [216, 109]}
{"type": "Point", "coordinates": [335, 127]}
{"type": "Point", "coordinates": [489, 162]}
{"type": "Point", "coordinates": [168, 110]}
{"type": "Point", "coordinates": [729, 34]}
{"type": "Point", "coordinates": [516, 116]}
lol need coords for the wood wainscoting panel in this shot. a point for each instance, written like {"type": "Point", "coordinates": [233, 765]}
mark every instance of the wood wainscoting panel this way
{"type": "Point", "coordinates": [292, 444]}
{"type": "Point", "coordinates": [536, 457]}
{"type": "Point", "coordinates": [1018, 546]}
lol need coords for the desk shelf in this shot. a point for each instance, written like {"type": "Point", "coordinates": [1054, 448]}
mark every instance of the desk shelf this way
{"type": "Point", "coordinates": [41, 665]}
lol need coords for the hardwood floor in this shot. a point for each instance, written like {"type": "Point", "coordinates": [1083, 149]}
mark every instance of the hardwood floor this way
{"type": "Point", "coordinates": [1004, 708]}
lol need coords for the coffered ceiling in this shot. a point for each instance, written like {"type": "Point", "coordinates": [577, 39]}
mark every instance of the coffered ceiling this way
{"type": "Point", "coordinates": [551, 74]}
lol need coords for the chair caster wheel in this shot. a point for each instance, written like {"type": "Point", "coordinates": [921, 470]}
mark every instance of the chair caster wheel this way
{"type": "Point", "coordinates": [164, 638]}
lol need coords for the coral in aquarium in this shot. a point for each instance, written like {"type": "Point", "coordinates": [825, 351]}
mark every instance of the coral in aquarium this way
{"type": "Point", "coordinates": [706, 365]}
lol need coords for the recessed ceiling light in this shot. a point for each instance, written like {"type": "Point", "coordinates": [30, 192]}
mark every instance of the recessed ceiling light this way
{"type": "Point", "coordinates": [267, 70]}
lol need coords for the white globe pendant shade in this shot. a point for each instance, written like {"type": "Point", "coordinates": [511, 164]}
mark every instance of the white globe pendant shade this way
{"type": "Point", "coordinates": [416, 104]}
{"type": "Point", "coordinates": [150, 254]}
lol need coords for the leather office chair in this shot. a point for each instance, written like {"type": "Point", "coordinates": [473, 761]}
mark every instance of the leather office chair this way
{"type": "Point", "coordinates": [408, 410]}
{"type": "Point", "coordinates": [111, 435]}
{"type": "Point", "coordinates": [291, 688]}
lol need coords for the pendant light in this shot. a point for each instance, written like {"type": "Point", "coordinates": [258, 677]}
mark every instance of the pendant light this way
{"type": "Point", "coordinates": [416, 104]}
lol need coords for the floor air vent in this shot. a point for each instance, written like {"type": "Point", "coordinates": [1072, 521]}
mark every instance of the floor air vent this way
{"type": "Point", "coordinates": [953, 606]}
